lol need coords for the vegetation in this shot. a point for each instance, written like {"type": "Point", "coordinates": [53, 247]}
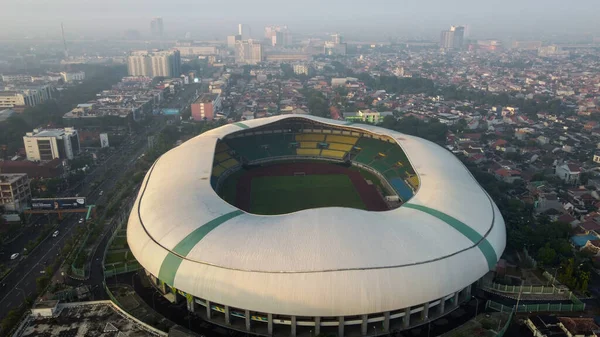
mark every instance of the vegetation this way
{"type": "Point", "coordinates": [98, 78]}
{"type": "Point", "coordinates": [432, 130]}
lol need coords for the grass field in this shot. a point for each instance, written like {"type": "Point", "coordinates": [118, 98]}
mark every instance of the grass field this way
{"type": "Point", "coordinates": [285, 194]}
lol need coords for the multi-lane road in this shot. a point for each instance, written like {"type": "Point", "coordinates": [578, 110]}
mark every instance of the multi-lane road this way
{"type": "Point", "coordinates": [21, 282]}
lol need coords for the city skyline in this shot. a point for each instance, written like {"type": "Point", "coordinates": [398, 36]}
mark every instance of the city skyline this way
{"type": "Point", "coordinates": [361, 20]}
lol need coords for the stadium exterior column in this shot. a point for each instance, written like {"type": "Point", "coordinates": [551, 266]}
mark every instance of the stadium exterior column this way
{"type": "Point", "coordinates": [341, 326]}
{"type": "Point", "coordinates": [386, 321]}
{"type": "Point", "coordinates": [456, 297]}
{"type": "Point", "coordinates": [270, 324]}
{"type": "Point", "coordinates": [317, 326]}
{"type": "Point", "coordinates": [363, 326]}
{"type": "Point", "coordinates": [442, 305]}
{"type": "Point", "coordinates": [208, 311]}
{"type": "Point", "coordinates": [468, 292]}
{"type": "Point", "coordinates": [425, 312]}
{"type": "Point", "coordinates": [227, 317]}
{"type": "Point", "coordinates": [247, 314]}
{"type": "Point", "coordinates": [293, 325]}
{"type": "Point", "coordinates": [406, 319]}
{"type": "Point", "coordinates": [191, 303]}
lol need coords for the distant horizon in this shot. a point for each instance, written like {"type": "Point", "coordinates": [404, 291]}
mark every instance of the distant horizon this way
{"type": "Point", "coordinates": [375, 20]}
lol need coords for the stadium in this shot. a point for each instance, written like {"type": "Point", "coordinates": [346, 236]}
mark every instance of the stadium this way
{"type": "Point", "coordinates": [299, 225]}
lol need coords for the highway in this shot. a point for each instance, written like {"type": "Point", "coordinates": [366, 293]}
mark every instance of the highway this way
{"type": "Point", "coordinates": [21, 282]}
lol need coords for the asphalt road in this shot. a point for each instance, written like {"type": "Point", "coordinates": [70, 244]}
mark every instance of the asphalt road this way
{"type": "Point", "coordinates": [21, 282]}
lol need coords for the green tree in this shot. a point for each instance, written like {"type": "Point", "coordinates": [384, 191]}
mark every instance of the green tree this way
{"type": "Point", "coordinates": [546, 255]}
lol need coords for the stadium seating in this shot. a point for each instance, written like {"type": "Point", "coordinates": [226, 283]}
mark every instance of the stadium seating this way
{"type": "Point", "coordinates": [311, 137]}
{"type": "Point", "coordinates": [218, 170]}
{"type": "Point", "coordinates": [333, 154]}
{"type": "Point", "coordinates": [340, 147]}
{"type": "Point", "coordinates": [308, 152]}
{"type": "Point", "coordinates": [389, 160]}
{"type": "Point", "coordinates": [341, 139]}
{"type": "Point", "coordinates": [263, 146]}
{"type": "Point", "coordinates": [308, 145]}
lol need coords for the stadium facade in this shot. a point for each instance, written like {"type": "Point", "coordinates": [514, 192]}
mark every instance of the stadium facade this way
{"type": "Point", "coordinates": [326, 270]}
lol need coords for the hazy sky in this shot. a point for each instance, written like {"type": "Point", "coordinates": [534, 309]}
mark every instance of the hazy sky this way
{"type": "Point", "coordinates": [209, 19]}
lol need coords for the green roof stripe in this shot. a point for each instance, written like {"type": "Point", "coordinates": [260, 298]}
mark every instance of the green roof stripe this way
{"type": "Point", "coordinates": [168, 268]}
{"type": "Point", "coordinates": [171, 263]}
{"type": "Point", "coordinates": [190, 241]}
{"type": "Point", "coordinates": [241, 125]}
{"type": "Point", "coordinates": [482, 243]}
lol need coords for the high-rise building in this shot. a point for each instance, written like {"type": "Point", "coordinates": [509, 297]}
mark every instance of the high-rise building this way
{"type": "Point", "coordinates": [278, 36]}
{"type": "Point", "coordinates": [15, 191]}
{"type": "Point", "coordinates": [206, 107]}
{"type": "Point", "coordinates": [336, 46]}
{"type": "Point", "coordinates": [459, 36]}
{"type": "Point", "coordinates": [164, 63]}
{"type": "Point", "coordinates": [49, 144]}
{"type": "Point", "coordinates": [248, 52]}
{"type": "Point", "coordinates": [156, 27]}
{"type": "Point", "coordinates": [244, 31]}
{"type": "Point", "coordinates": [452, 38]}
{"type": "Point", "coordinates": [232, 40]}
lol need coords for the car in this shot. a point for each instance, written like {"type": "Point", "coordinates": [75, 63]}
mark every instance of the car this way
{"type": "Point", "coordinates": [55, 234]}
{"type": "Point", "coordinates": [42, 272]}
{"type": "Point", "coordinates": [101, 192]}
{"type": "Point", "coordinates": [14, 256]}
{"type": "Point", "coordinates": [80, 220]}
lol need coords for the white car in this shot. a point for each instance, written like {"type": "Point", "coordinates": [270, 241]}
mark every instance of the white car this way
{"type": "Point", "coordinates": [14, 256]}
{"type": "Point", "coordinates": [80, 220]}
{"type": "Point", "coordinates": [101, 192]}
{"type": "Point", "coordinates": [55, 234]}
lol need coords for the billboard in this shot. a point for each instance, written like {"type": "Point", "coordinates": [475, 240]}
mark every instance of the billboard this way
{"type": "Point", "coordinates": [170, 112]}
{"type": "Point", "coordinates": [54, 204]}
{"type": "Point", "coordinates": [104, 140]}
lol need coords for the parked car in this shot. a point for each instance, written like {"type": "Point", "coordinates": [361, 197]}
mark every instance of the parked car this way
{"type": "Point", "coordinates": [55, 234]}
{"type": "Point", "coordinates": [14, 256]}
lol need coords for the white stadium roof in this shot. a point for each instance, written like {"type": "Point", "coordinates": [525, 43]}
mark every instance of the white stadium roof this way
{"type": "Point", "coordinates": [318, 262]}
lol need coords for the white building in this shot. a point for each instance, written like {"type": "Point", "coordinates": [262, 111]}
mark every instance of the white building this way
{"type": "Point", "coordinates": [569, 173]}
{"type": "Point", "coordinates": [15, 192]}
{"type": "Point", "coordinates": [45, 145]}
{"type": "Point", "coordinates": [301, 69]}
{"type": "Point", "coordinates": [72, 77]}
{"type": "Point", "coordinates": [248, 52]}
{"type": "Point", "coordinates": [163, 63]}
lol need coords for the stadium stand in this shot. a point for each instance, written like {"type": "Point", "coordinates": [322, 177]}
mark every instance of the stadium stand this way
{"type": "Point", "coordinates": [342, 139]}
{"type": "Point", "coordinates": [333, 154]}
{"type": "Point", "coordinates": [311, 137]}
{"type": "Point", "coordinates": [308, 152]}
{"type": "Point", "coordinates": [383, 156]}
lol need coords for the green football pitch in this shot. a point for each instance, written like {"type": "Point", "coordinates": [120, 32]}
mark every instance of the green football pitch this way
{"type": "Point", "coordinates": [285, 194]}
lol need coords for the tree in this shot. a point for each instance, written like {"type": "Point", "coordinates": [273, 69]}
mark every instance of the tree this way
{"type": "Point", "coordinates": [546, 255]}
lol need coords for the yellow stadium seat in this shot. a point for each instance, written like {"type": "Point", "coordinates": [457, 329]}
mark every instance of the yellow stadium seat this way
{"type": "Point", "coordinates": [310, 137]}
{"type": "Point", "coordinates": [333, 154]}
{"type": "Point", "coordinates": [309, 145]}
{"type": "Point", "coordinates": [219, 157]}
{"type": "Point", "coordinates": [308, 152]}
{"type": "Point", "coordinates": [229, 163]}
{"type": "Point", "coordinates": [342, 139]}
{"type": "Point", "coordinates": [217, 170]}
{"type": "Point", "coordinates": [340, 147]}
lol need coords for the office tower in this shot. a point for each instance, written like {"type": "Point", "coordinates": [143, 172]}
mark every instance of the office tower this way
{"type": "Point", "coordinates": [278, 36]}
{"type": "Point", "coordinates": [452, 38]}
{"type": "Point", "coordinates": [45, 145]}
{"type": "Point", "coordinates": [156, 27]}
{"type": "Point", "coordinates": [244, 31]}
{"type": "Point", "coordinates": [459, 36]}
{"type": "Point", "coordinates": [232, 39]}
{"type": "Point", "coordinates": [336, 46]}
{"type": "Point", "coordinates": [337, 38]}
{"type": "Point", "coordinates": [164, 63]}
{"type": "Point", "coordinates": [248, 52]}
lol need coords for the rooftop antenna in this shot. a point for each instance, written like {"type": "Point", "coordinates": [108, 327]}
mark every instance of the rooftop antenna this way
{"type": "Point", "coordinates": [62, 28]}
